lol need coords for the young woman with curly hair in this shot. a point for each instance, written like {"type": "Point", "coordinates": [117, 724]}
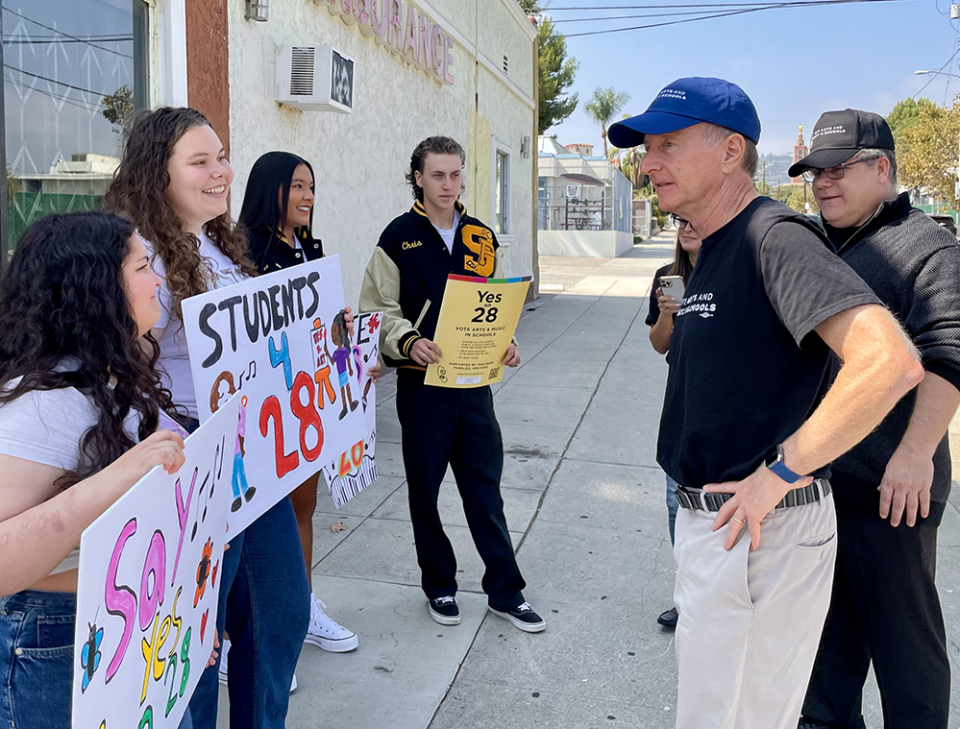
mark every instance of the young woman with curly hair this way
{"type": "Point", "coordinates": [77, 393]}
{"type": "Point", "coordinates": [173, 183]}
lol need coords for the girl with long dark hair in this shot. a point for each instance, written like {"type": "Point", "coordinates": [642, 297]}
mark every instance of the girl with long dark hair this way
{"type": "Point", "coordinates": [660, 318]}
{"type": "Point", "coordinates": [79, 407]}
{"type": "Point", "coordinates": [173, 183]}
{"type": "Point", "coordinates": [277, 216]}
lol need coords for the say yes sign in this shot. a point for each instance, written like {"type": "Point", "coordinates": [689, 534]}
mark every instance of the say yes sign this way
{"type": "Point", "coordinates": [280, 340]}
{"type": "Point", "coordinates": [148, 585]}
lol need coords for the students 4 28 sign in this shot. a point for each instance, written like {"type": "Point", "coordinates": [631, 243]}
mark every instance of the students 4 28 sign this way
{"type": "Point", "coordinates": [280, 340]}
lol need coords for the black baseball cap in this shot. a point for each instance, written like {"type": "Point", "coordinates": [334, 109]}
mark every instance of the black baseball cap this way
{"type": "Point", "coordinates": [838, 135]}
{"type": "Point", "coordinates": [689, 101]}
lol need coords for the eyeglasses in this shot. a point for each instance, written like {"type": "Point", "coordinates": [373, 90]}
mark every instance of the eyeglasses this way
{"type": "Point", "coordinates": [834, 173]}
{"type": "Point", "coordinates": [679, 222]}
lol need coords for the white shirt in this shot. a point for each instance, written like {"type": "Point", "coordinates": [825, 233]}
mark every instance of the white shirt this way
{"type": "Point", "coordinates": [46, 426]}
{"type": "Point", "coordinates": [447, 235]}
{"type": "Point", "coordinates": [174, 362]}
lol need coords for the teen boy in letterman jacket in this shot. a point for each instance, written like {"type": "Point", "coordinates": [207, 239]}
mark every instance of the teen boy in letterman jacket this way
{"type": "Point", "coordinates": [405, 279]}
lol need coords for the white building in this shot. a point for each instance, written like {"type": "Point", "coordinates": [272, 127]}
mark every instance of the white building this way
{"type": "Point", "coordinates": [408, 69]}
{"type": "Point", "coordinates": [584, 203]}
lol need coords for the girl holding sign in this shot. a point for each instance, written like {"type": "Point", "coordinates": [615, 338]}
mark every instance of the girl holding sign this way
{"type": "Point", "coordinates": [77, 393]}
{"type": "Point", "coordinates": [277, 215]}
{"type": "Point", "coordinates": [173, 183]}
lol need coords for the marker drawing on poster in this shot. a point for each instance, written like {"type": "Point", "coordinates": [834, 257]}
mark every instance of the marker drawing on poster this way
{"type": "Point", "coordinates": [281, 340]}
{"type": "Point", "coordinates": [148, 585]}
{"type": "Point", "coordinates": [356, 467]}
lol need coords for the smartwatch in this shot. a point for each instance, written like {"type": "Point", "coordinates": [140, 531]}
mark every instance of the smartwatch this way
{"type": "Point", "coordinates": [776, 464]}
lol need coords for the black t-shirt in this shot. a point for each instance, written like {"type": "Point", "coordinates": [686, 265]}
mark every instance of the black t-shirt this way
{"type": "Point", "coordinates": [654, 313]}
{"type": "Point", "coordinates": [746, 366]}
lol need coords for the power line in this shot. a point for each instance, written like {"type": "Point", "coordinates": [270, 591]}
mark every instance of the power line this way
{"type": "Point", "coordinates": [624, 17]}
{"type": "Point", "coordinates": [66, 35]}
{"type": "Point", "coordinates": [86, 106]}
{"type": "Point", "coordinates": [934, 75]}
{"type": "Point", "coordinates": [750, 8]}
{"type": "Point", "coordinates": [39, 39]}
{"type": "Point", "coordinates": [99, 94]}
{"type": "Point", "coordinates": [707, 6]}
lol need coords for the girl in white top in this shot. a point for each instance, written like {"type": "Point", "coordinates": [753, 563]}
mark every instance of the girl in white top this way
{"type": "Point", "coordinates": [173, 183]}
{"type": "Point", "coordinates": [77, 393]}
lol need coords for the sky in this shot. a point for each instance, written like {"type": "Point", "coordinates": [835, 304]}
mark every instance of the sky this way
{"type": "Point", "coordinates": [794, 63]}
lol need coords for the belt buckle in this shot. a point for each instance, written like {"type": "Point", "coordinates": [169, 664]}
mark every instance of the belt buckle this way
{"type": "Point", "coordinates": [690, 499]}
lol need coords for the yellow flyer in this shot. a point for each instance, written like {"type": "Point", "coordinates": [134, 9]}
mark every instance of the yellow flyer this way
{"type": "Point", "coordinates": [478, 318]}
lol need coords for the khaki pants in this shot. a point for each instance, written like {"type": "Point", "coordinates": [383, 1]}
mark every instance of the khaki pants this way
{"type": "Point", "coordinates": [750, 622]}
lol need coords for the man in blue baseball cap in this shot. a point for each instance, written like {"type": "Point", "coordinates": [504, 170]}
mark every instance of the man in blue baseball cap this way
{"type": "Point", "coordinates": [748, 429]}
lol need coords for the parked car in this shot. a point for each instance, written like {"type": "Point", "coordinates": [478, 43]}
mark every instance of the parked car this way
{"type": "Point", "coordinates": [947, 222]}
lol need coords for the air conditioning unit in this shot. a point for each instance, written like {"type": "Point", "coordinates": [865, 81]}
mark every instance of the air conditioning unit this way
{"type": "Point", "coordinates": [314, 78]}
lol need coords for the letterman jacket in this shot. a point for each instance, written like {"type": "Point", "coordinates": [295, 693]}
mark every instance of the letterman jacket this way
{"type": "Point", "coordinates": [407, 275]}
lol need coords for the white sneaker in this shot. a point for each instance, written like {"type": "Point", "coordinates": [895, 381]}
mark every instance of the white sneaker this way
{"type": "Point", "coordinates": [326, 633]}
{"type": "Point", "coordinates": [222, 674]}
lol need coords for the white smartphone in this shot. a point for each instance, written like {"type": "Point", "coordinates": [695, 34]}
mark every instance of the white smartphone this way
{"type": "Point", "coordinates": [672, 286]}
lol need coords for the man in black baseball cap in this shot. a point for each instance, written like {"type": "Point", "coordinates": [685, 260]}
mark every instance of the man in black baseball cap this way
{"type": "Point", "coordinates": [891, 489]}
{"type": "Point", "coordinates": [747, 429]}
{"type": "Point", "coordinates": [839, 135]}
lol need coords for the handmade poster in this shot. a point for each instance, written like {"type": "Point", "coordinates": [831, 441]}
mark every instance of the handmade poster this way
{"type": "Point", "coordinates": [281, 340]}
{"type": "Point", "coordinates": [356, 468]}
{"type": "Point", "coordinates": [478, 318]}
{"type": "Point", "coordinates": [148, 586]}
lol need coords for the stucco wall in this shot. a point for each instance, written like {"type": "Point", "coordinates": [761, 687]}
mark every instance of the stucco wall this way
{"type": "Point", "coordinates": [584, 243]}
{"type": "Point", "coordinates": [360, 159]}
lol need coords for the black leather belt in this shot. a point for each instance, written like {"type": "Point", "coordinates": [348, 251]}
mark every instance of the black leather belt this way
{"type": "Point", "coordinates": [698, 500]}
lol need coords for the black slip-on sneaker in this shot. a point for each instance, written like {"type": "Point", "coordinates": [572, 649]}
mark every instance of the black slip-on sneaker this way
{"type": "Point", "coordinates": [444, 610]}
{"type": "Point", "coordinates": [522, 617]}
{"type": "Point", "coordinates": [669, 618]}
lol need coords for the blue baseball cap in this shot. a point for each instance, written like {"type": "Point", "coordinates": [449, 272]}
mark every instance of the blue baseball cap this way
{"type": "Point", "coordinates": [689, 101]}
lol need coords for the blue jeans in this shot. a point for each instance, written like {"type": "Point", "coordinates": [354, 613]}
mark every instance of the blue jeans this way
{"type": "Point", "coordinates": [672, 505]}
{"type": "Point", "coordinates": [265, 609]}
{"type": "Point", "coordinates": [36, 658]}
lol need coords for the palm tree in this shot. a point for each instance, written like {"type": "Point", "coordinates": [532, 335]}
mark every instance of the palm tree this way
{"type": "Point", "coordinates": [603, 106]}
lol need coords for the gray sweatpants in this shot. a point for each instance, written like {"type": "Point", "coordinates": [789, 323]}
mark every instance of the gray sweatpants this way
{"type": "Point", "coordinates": [750, 622]}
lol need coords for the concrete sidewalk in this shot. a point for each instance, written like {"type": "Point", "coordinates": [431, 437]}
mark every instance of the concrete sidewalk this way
{"type": "Point", "coordinates": [584, 500]}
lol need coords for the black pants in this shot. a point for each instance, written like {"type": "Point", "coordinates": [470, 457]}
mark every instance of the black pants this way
{"type": "Point", "coordinates": [440, 426]}
{"type": "Point", "coordinates": [884, 608]}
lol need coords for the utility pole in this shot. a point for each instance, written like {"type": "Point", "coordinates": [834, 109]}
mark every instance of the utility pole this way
{"type": "Point", "coordinates": [763, 185]}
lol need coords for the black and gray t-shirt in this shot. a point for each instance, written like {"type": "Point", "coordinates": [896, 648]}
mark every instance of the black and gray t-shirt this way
{"type": "Point", "coordinates": [746, 366]}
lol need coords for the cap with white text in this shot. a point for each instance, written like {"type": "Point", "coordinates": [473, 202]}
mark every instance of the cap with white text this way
{"type": "Point", "coordinates": [838, 135]}
{"type": "Point", "coordinates": [689, 101]}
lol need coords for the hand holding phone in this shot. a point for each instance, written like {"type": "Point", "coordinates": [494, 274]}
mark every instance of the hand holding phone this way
{"type": "Point", "coordinates": [672, 286]}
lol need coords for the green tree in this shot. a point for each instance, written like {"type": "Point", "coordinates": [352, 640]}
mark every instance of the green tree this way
{"type": "Point", "coordinates": [905, 114]}
{"type": "Point", "coordinates": [603, 106]}
{"type": "Point", "coordinates": [118, 109]}
{"type": "Point", "coordinates": [797, 197]}
{"type": "Point", "coordinates": [927, 155]}
{"type": "Point", "coordinates": [630, 167]}
{"type": "Point", "coordinates": [13, 186]}
{"type": "Point", "coordinates": [555, 73]}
